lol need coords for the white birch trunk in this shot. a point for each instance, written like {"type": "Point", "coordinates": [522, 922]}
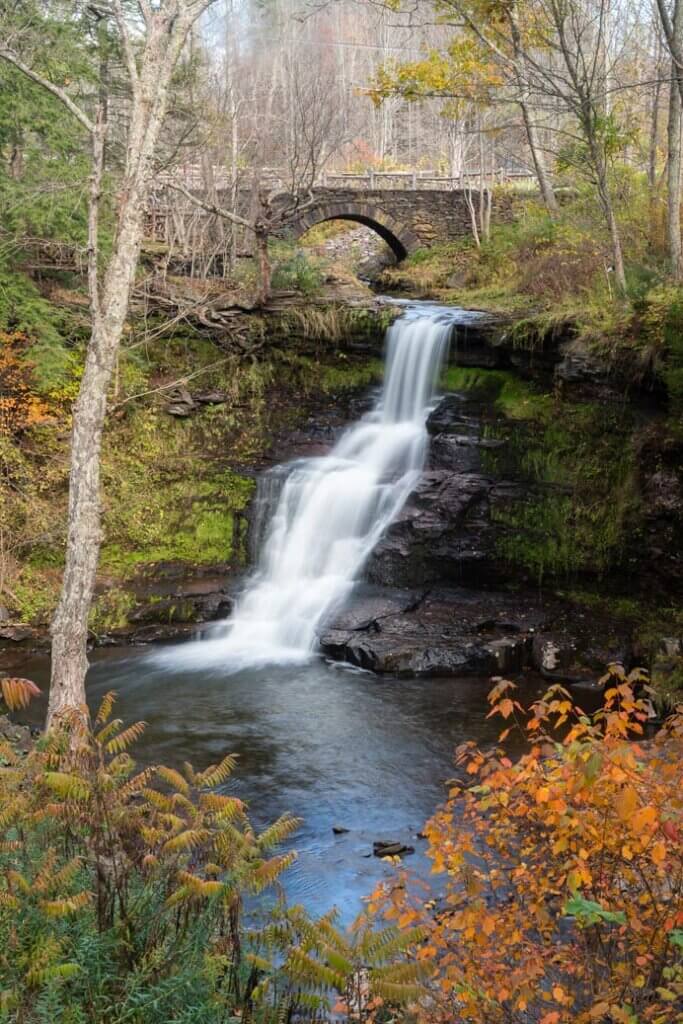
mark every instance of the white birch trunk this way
{"type": "Point", "coordinates": [166, 37]}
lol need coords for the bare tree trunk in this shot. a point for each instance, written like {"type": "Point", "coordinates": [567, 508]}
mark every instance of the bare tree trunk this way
{"type": "Point", "coordinates": [261, 237]}
{"type": "Point", "coordinates": [166, 36]}
{"type": "Point", "coordinates": [673, 176]}
{"type": "Point", "coordinates": [547, 192]}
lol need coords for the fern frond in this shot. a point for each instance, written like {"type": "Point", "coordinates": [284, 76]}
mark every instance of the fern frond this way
{"type": "Point", "coordinates": [67, 786]}
{"type": "Point", "coordinates": [179, 800]}
{"type": "Point", "coordinates": [66, 874]}
{"type": "Point", "coordinates": [174, 779]}
{"type": "Point", "coordinates": [137, 784]}
{"type": "Point", "coordinates": [308, 971]}
{"type": "Point", "coordinates": [57, 972]}
{"type": "Point", "coordinates": [194, 888]}
{"type": "Point", "coordinates": [397, 994]}
{"type": "Point", "coordinates": [190, 839]}
{"type": "Point", "coordinates": [270, 870]}
{"type": "Point", "coordinates": [378, 947]}
{"type": "Point", "coordinates": [109, 730]}
{"type": "Point", "coordinates": [16, 879]}
{"type": "Point", "coordinates": [172, 821]}
{"type": "Point", "coordinates": [407, 972]}
{"type": "Point", "coordinates": [8, 901]}
{"type": "Point", "coordinates": [18, 693]}
{"type": "Point", "coordinates": [153, 836]}
{"type": "Point", "coordinates": [160, 801]}
{"type": "Point", "coordinates": [217, 774]}
{"type": "Point", "coordinates": [130, 735]}
{"type": "Point", "coordinates": [341, 964]}
{"type": "Point", "coordinates": [105, 708]}
{"type": "Point", "coordinates": [10, 812]}
{"type": "Point", "coordinates": [41, 882]}
{"type": "Point", "coordinates": [259, 962]}
{"type": "Point", "coordinates": [223, 808]}
{"type": "Point", "coordinates": [276, 833]}
{"type": "Point", "coordinates": [66, 906]}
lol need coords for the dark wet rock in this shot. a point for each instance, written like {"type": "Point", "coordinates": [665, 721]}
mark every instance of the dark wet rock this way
{"type": "Point", "coordinates": [20, 737]}
{"type": "Point", "coordinates": [579, 365]}
{"type": "Point", "coordinates": [455, 632]}
{"type": "Point", "coordinates": [373, 605]}
{"type": "Point", "coordinates": [214, 397]}
{"type": "Point", "coordinates": [578, 652]}
{"type": "Point", "coordinates": [391, 848]}
{"type": "Point", "coordinates": [339, 830]}
{"type": "Point", "coordinates": [17, 634]}
{"type": "Point", "coordinates": [442, 534]}
{"type": "Point", "coordinates": [448, 633]}
{"type": "Point", "coordinates": [447, 417]}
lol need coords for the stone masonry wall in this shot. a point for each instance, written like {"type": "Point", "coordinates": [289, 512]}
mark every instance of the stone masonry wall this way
{"type": "Point", "coordinates": [408, 220]}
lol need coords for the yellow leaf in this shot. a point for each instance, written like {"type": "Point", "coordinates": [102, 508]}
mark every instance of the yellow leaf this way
{"type": "Point", "coordinates": [658, 853]}
{"type": "Point", "coordinates": [644, 819]}
{"type": "Point", "coordinates": [626, 802]}
{"type": "Point", "coordinates": [542, 795]}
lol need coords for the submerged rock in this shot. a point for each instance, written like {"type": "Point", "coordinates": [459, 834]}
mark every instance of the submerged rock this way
{"type": "Point", "coordinates": [391, 848]}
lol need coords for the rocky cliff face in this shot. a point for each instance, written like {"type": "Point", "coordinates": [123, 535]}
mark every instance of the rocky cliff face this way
{"type": "Point", "coordinates": [541, 480]}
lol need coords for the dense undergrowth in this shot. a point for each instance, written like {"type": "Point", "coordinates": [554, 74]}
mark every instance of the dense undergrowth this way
{"type": "Point", "coordinates": [563, 870]}
{"type": "Point", "coordinates": [175, 488]}
{"type": "Point", "coordinates": [145, 896]}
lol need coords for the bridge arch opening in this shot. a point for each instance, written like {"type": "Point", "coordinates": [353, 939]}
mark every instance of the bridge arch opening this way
{"type": "Point", "coordinates": [400, 238]}
{"type": "Point", "coordinates": [395, 244]}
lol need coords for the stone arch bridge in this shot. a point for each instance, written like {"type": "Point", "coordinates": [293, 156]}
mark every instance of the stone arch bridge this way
{"type": "Point", "coordinates": [406, 219]}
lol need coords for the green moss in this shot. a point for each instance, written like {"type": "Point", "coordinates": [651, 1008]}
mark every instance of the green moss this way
{"type": "Point", "coordinates": [188, 520]}
{"type": "Point", "coordinates": [507, 393]}
{"type": "Point", "coordinates": [577, 463]}
{"type": "Point", "coordinates": [110, 610]}
{"type": "Point", "coordinates": [582, 501]}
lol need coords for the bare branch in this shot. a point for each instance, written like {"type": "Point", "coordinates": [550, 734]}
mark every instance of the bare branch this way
{"type": "Point", "coordinates": [126, 43]}
{"type": "Point", "coordinates": [218, 211]}
{"type": "Point", "coordinates": [56, 90]}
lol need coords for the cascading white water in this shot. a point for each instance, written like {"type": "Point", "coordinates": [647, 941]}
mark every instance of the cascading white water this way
{"type": "Point", "coordinates": [332, 510]}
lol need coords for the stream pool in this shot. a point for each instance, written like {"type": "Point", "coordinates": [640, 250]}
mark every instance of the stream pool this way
{"type": "Point", "coordinates": [332, 745]}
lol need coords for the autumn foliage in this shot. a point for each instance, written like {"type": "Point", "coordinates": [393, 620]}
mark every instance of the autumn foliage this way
{"type": "Point", "coordinates": [19, 406]}
{"type": "Point", "coordinates": [564, 870]}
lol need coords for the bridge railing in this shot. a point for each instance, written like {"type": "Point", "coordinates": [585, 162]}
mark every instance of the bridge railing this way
{"type": "Point", "coordinates": [425, 180]}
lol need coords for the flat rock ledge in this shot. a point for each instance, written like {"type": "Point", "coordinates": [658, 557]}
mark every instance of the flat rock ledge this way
{"type": "Point", "coordinates": [449, 632]}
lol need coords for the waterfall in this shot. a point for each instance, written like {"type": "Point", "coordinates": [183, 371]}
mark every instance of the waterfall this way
{"type": "Point", "coordinates": [333, 509]}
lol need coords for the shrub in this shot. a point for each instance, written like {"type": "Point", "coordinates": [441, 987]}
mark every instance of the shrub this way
{"type": "Point", "coordinates": [563, 870]}
{"type": "Point", "coordinates": [296, 270]}
{"type": "Point", "coordinates": [19, 407]}
{"type": "Point", "coordinates": [123, 892]}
